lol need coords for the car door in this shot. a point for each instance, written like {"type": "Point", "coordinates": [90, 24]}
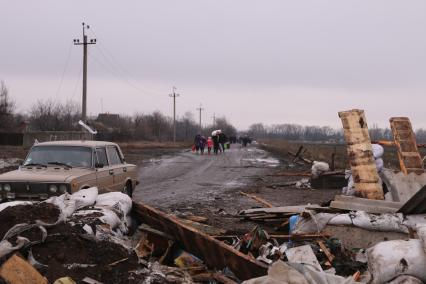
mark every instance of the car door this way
{"type": "Point", "coordinates": [104, 174]}
{"type": "Point", "coordinates": [118, 167]}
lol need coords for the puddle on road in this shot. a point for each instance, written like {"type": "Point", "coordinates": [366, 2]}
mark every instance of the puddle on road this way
{"type": "Point", "coordinates": [234, 184]}
{"type": "Point", "coordinates": [264, 162]}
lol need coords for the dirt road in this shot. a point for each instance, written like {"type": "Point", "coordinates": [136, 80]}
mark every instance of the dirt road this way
{"type": "Point", "coordinates": [184, 183]}
{"type": "Point", "coordinates": [188, 178]}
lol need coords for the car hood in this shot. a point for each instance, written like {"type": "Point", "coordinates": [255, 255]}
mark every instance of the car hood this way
{"type": "Point", "coordinates": [49, 174]}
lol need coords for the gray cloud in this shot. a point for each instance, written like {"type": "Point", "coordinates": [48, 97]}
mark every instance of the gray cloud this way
{"type": "Point", "coordinates": [270, 61]}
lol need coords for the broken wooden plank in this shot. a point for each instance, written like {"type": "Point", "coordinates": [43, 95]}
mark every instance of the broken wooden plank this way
{"type": "Point", "coordinates": [290, 174]}
{"type": "Point", "coordinates": [258, 199]}
{"type": "Point", "coordinates": [360, 153]}
{"type": "Point", "coordinates": [352, 203]}
{"type": "Point", "coordinates": [16, 270]}
{"type": "Point", "coordinates": [300, 158]}
{"type": "Point", "coordinates": [214, 253]}
{"type": "Point", "coordinates": [326, 251]}
{"type": "Point", "coordinates": [416, 204]}
{"type": "Point", "coordinates": [194, 218]}
{"type": "Point", "coordinates": [405, 141]}
{"type": "Point", "coordinates": [297, 209]}
{"type": "Point", "coordinates": [207, 229]}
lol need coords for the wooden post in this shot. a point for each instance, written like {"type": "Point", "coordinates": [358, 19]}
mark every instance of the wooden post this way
{"type": "Point", "coordinates": [360, 153]}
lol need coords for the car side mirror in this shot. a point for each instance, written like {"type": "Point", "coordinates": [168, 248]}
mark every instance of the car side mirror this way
{"type": "Point", "coordinates": [99, 165]}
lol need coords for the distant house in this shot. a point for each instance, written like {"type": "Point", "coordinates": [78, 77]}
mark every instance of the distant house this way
{"type": "Point", "coordinates": [109, 120]}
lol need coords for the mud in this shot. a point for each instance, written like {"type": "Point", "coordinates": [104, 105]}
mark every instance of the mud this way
{"type": "Point", "coordinates": [11, 216]}
{"type": "Point", "coordinates": [65, 246]}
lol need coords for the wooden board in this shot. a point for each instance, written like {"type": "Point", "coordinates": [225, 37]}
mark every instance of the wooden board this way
{"type": "Point", "coordinates": [297, 209]}
{"type": "Point", "coordinates": [16, 270]}
{"type": "Point", "coordinates": [214, 253]}
{"type": "Point", "coordinates": [360, 153]}
{"type": "Point", "coordinates": [410, 160]}
{"type": "Point", "coordinates": [351, 203]}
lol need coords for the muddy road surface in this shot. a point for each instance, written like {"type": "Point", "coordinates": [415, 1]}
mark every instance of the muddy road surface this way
{"type": "Point", "coordinates": [184, 183]}
{"type": "Point", "coordinates": [188, 178]}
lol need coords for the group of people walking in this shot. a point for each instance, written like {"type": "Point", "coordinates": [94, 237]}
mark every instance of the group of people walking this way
{"type": "Point", "coordinates": [217, 142]}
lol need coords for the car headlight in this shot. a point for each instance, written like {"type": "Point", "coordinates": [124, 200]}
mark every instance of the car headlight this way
{"type": "Point", "coordinates": [62, 188]}
{"type": "Point", "coordinates": [53, 188]}
{"type": "Point", "coordinates": [7, 187]}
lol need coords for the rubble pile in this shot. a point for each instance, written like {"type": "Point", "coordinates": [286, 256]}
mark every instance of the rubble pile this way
{"type": "Point", "coordinates": [79, 236]}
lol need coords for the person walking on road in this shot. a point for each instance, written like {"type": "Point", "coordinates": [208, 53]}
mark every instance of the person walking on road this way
{"type": "Point", "coordinates": [222, 140]}
{"type": "Point", "coordinates": [209, 145]}
{"type": "Point", "coordinates": [197, 142]}
{"type": "Point", "coordinates": [203, 143]}
{"type": "Point", "coordinates": [215, 139]}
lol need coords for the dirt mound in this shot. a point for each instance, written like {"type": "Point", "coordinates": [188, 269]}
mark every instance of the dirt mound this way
{"type": "Point", "coordinates": [13, 215]}
{"type": "Point", "coordinates": [68, 253]}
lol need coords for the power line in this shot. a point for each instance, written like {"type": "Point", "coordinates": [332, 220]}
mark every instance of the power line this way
{"type": "Point", "coordinates": [114, 63]}
{"type": "Point", "coordinates": [77, 83]}
{"type": "Point", "coordinates": [65, 68]}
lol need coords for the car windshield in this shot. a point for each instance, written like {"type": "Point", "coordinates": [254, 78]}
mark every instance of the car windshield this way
{"type": "Point", "coordinates": [72, 156]}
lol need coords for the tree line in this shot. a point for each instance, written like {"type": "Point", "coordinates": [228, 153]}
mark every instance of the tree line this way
{"type": "Point", "coordinates": [298, 132]}
{"type": "Point", "coordinates": [53, 115]}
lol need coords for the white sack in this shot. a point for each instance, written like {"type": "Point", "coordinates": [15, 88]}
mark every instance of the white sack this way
{"type": "Point", "coordinates": [377, 150]}
{"type": "Point", "coordinates": [411, 221]}
{"type": "Point", "coordinates": [68, 204]}
{"type": "Point", "coordinates": [387, 260]}
{"type": "Point", "coordinates": [279, 273]}
{"type": "Point", "coordinates": [405, 279]}
{"type": "Point", "coordinates": [421, 232]}
{"type": "Point", "coordinates": [65, 204]}
{"type": "Point", "coordinates": [85, 197]}
{"type": "Point", "coordinates": [379, 164]}
{"type": "Point", "coordinates": [316, 223]}
{"type": "Point", "coordinates": [116, 200]}
{"type": "Point", "coordinates": [319, 168]}
{"type": "Point", "coordinates": [372, 222]}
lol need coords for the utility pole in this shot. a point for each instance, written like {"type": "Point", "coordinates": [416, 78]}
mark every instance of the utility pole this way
{"type": "Point", "coordinates": [214, 120]}
{"type": "Point", "coordinates": [174, 95]}
{"type": "Point", "coordinates": [200, 109]}
{"type": "Point", "coordinates": [84, 44]}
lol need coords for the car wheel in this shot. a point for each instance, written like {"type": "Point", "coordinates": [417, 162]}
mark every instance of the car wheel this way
{"type": "Point", "coordinates": [128, 189]}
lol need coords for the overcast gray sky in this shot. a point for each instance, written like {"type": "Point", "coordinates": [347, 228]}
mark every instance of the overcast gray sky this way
{"type": "Point", "coordinates": [251, 61]}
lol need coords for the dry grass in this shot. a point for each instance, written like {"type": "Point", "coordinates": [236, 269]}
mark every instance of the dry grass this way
{"type": "Point", "coordinates": [323, 152]}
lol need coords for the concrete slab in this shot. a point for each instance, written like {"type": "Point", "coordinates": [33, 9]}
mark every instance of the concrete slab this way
{"type": "Point", "coordinates": [402, 187]}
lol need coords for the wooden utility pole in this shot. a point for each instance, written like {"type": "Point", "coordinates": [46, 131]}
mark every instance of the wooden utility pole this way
{"type": "Point", "coordinates": [84, 43]}
{"type": "Point", "coordinates": [200, 109]}
{"type": "Point", "coordinates": [174, 95]}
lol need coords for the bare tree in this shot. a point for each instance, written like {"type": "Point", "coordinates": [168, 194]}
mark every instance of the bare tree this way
{"type": "Point", "coordinates": [50, 115]}
{"type": "Point", "coordinates": [7, 108]}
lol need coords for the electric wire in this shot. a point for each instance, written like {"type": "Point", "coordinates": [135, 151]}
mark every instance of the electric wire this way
{"type": "Point", "coordinates": [63, 72]}
{"type": "Point", "coordinates": [119, 69]}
